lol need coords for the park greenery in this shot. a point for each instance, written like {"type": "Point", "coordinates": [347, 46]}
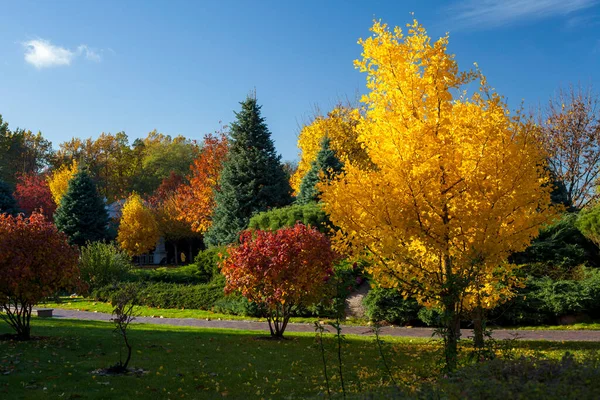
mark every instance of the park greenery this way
{"type": "Point", "coordinates": [455, 211]}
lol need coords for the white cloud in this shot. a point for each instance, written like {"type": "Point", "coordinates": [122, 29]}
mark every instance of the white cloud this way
{"type": "Point", "coordinates": [494, 13]}
{"type": "Point", "coordinates": [89, 54]}
{"type": "Point", "coordinates": [42, 54]}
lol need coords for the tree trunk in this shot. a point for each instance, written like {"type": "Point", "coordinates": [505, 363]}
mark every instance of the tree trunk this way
{"type": "Point", "coordinates": [478, 340]}
{"type": "Point", "coordinates": [450, 301]}
{"type": "Point", "coordinates": [176, 253]}
{"type": "Point", "coordinates": [18, 316]}
{"type": "Point", "coordinates": [278, 322]}
{"type": "Point", "coordinates": [128, 351]}
{"type": "Point", "coordinates": [452, 334]}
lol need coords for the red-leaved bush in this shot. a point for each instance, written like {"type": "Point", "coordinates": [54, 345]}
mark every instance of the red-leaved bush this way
{"type": "Point", "coordinates": [33, 194]}
{"type": "Point", "coordinates": [279, 270]}
{"type": "Point", "coordinates": [36, 261]}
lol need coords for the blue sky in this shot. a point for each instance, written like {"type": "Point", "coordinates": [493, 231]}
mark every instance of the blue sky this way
{"type": "Point", "coordinates": [79, 68]}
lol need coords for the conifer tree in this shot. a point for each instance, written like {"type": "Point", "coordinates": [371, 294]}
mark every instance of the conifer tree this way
{"type": "Point", "coordinates": [326, 164]}
{"type": "Point", "coordinates": [252, 180]}
{"type": "Point", "coordinates": [8, 204]}
{"type": "Point", "coordinates": [81, 213]}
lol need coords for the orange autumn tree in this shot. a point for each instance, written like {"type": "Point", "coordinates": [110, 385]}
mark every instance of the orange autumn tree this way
{"type": "Point", "coordinates": [279, 270]}
{"type": "Point", "coordinates": [164, 205]}
{"type": "Point", "coordinates": [138, 230]}
{"type": "Point", "coordinates": [59, 181]}
{"type": "Point", "coordinates": [194, 202]}
{"type": "Point", "coordinates": [457, 183]}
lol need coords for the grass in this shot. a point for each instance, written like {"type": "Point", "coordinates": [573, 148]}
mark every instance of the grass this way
{"type": "Point", "coordinates": [211, 363]}
{"type": "Point", "coordinates": [83, 304]}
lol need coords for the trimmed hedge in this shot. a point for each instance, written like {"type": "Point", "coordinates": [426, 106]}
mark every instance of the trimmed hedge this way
{"type": "Point", "coordinates": [204, 269]}
{"type": "Point", "coordinates": [187, 274]}
{"type": "Point", "coordinates": [168, 295]}
{"type": "Point", "coordinates": [311, 214]}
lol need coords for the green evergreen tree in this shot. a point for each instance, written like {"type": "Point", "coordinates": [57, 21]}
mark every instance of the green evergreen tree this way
{"type": "Point", "coordinates": [7, 201]}
{"type": "Point", "coordinates": [326, 163]}
{"type": "Point", "coordinates": [81, 213]}
{"type": "Point", "coordinates": [253, 178]}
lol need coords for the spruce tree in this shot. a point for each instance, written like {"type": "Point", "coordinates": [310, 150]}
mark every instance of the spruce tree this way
{"type": "Point", "coordinates": [253, 178]}
{"type": "Point", "coordinates": [8, 204]}
{"type": "Point", "coordinates": [325, 163]}
{"type": "Point", "coordinates": [81, 213]}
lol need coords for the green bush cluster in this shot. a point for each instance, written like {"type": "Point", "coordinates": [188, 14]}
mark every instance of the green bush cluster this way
{"type": "Point", "coordinates": [187, 274]}
{"type": "Point", "coordinates": [207, 263]}
{"type": "Point", "coordinates": [558, 251]}
{"type": "Point", "coordinates": [237, 305]}
{"type": "Point", "coordinates": [311, 214]}
{"type": "Point", "coordinates": [101, 264]}
{"type": "Point", "coordinates": [203, 270]}
{"type": "Point", "coordinates": [389, 305]}
{"type": "Point", "coordinates": [195, 286]}
{"type": "Point", "coordinates": [543, 300]}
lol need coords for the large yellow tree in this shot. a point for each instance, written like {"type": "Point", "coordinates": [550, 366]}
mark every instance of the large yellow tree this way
{"type": "Point", "coordinates": [456, 185]}
{"type": "Point", "coordinates": [58, 182]}
{"type": "Point", "coordinates": [138, 230]}
{"type": "Point", "coordinates": [340, 127]}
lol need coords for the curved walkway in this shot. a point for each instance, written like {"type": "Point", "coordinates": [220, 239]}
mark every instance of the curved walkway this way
{"type": "Point", "coordinates": [552, 335]}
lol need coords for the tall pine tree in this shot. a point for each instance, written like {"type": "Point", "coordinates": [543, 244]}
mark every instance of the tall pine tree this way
{"type": "Point", "coordinates": [81, 213]}
{"type": "Point", "coordinates": [252, 180]}
{"type": "Point", "coordinates": [326, 164]}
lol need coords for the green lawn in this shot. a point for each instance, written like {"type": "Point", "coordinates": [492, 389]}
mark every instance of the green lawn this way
{"type": "Point", "coordinates": [210, 363]}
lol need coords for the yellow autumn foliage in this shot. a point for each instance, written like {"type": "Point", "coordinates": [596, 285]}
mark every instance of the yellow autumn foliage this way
{"type": "Point", "coordinates": [138, 230]}
{"type": "Point", "coordinates": [340, 126]}
{"type": "Point", "coordinates": [457, 183]}
{"type": "Point", "coordinates": [58, 182]}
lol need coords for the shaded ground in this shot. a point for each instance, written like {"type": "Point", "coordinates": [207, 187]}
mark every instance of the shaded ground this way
{"type": "Point", "coordinates": [552, 335]}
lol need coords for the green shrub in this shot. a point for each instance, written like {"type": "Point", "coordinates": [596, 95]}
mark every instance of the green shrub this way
{"type": "Point", "coordinates": [590, 285]}
{"type": "Point", "coordinates": [168, 295]}
{"type": "Point", "coordinates": [430, 316]}
{"type": "Point", "coordinates": [204, 269]}
{"type": "Point", "coordinates": [382, 304]}
{"type": "Point", "coordinates": [187, 274]}
{"type": "Point", "coordinates": [311, 214]}
{"type": "Point", "coordinates": [524, 309]}
{"type": "Point", "coordinates": [561, 297]}
{"type": "Point", "coordinates": [237, 305]}
{"type": "Point", "coordinates": [102, 264]}
{"type": "Point", "coordinates": [557, 251]}
{"type": "Point", "coordinates": [207, 263]}
{"type": "Point", "coordinates": [543, 300]}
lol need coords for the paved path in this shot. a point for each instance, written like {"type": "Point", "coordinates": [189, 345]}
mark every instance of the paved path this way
{"type": "Point", "coordinates": [563, 335]}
